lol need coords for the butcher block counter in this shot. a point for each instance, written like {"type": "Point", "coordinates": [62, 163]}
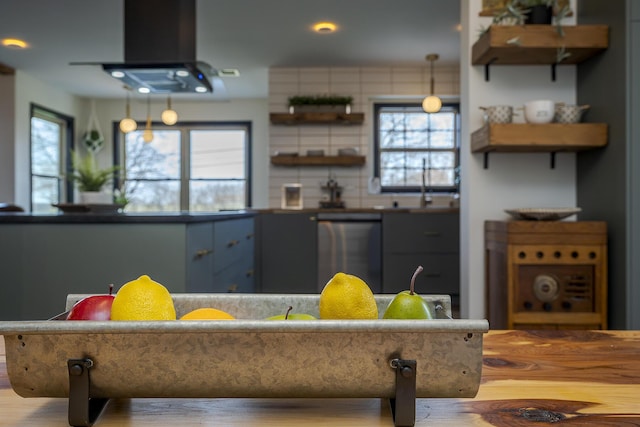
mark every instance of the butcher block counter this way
{"type": "Point", "coordinates": [531, 378]}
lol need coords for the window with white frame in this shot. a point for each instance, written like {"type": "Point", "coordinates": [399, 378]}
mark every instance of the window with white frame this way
{"type": "Point", "coordinates": [197, 167]}
{"type": "Point", "coordinates": [410, 144]}
{"type": "Point", "coordinates": [51, 136]}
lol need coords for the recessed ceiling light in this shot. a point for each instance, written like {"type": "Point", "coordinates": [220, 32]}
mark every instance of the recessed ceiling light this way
{"type": "Point", "coordinates": [144, 90]}
{"type": "Point", "coordinates": [21, 44]}
{"type": "Point", "coordinates": [324, 27]}
{"type": "Point", "coordinates": [117, 74]}
{"type": "Point", "coordinates": [182, 73]}
{"type": "Point", "coordinates": [201, 89]}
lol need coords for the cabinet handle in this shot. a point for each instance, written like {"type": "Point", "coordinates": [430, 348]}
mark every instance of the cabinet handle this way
{"type": "Point", "coordinates": [312, 218]}
{"type": "Point", "coordinates": [202, 253]}
{"type": "Point", "coordinates": [250, 273]}
{"type": "Point", "coordinates": [232, 288]}
{"type": "Point", "coordinates": [250, 235]}
{"type": "Point", "coordinates": [431, 233]}
{"type": "Point", "coordinates": [232, 243]}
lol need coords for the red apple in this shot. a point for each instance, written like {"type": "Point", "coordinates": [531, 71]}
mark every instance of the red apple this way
{"type": "Point", "coordinates": [95, 307]}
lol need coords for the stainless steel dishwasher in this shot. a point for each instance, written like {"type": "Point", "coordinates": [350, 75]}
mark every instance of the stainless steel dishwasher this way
{"type": "Point", "coordinates": [350, 243]}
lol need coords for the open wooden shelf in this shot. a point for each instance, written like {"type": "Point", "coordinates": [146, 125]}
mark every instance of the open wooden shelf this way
{"type": "Point", "coordinates": [318, 118]}
{"type": "Point", "coordinates": [527, 137]}
{"type": "Point", "coordinates": [317, 160]}
{"type": "Point", "coordinates": [538, 44]}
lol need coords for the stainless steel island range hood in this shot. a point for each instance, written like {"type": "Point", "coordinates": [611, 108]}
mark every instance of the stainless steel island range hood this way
{"type": "Point", "coordinates": [160, 49]}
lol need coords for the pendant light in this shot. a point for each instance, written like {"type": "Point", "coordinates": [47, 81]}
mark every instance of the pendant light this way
{"type": "Point", "coordinates": [128, 124]}
{"type": "Point", "coordinates": [169, 116]}
{"type": "Point", "coordinates": [147, 135]}
{"type": "Point", "coordinates": [432, 104]}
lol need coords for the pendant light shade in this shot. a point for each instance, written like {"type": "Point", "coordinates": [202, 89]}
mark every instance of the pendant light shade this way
{"type": "Point", "coordinates": [432, 104]}
{"type": "Point", "coordinates": [128, 124]}
{"type": "Point", "coordinates": [147, 135]}
{"type": "Point", "coordinates": [169, 116]}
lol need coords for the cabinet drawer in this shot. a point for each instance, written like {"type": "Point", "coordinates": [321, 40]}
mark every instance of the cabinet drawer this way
{"type": "Point", "coordinates": [411, 233]}
{"type": "Point", "coordinates": [237, 277]}
{"type": "Point", "coordinates": [441, 274]}
{"type": "Point", "coordinates": [233, 241]}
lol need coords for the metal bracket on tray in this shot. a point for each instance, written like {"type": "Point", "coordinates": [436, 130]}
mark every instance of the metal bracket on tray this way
{"type": "Point", "coordinates": [403, 405]}
{"type": "Point", "coordinates": [83, 409]}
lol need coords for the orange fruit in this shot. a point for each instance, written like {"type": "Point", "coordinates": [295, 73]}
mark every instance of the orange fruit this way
{"type": "Point", "coordinates": [207, 314]}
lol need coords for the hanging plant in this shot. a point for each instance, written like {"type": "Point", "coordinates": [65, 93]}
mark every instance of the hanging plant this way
{"type": "Point", "coordinates": [93, 139]}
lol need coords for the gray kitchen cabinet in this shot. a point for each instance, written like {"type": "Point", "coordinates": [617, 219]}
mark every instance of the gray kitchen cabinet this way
{"type": "Point", "coordinates": [233, 257]}
{"type": "Point", "coordinates": [53, 260]}
{"type": "Point", "coordinates": [43, 262]}
{"type": "Point", "coordinates": [431, 240]}
{"type": "Point", "coordinates": [288, 253]}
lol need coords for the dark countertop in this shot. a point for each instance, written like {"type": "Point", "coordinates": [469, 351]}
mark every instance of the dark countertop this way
{"type": "Point", "coordinates": [188, 217]}
{"type": "Point", "coordinates": [429, 210]}
{"type": "Point", "coordinates": [123, 218]}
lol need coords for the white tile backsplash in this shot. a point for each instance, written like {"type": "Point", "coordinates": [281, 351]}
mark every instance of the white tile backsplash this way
{"type": "Point", "coordinates": [362, 84]}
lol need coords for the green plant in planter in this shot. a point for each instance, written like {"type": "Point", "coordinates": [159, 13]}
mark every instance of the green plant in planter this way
{"type": "Point", "coordinates": [320, 100]}
{"type": "Point", "coordinates": [515, 13]}
{"type": "Point", "coordinates": [86, 173]}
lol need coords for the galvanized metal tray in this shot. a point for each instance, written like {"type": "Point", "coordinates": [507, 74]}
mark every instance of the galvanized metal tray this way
{"type": "Point", "coordinates": [248, 357]}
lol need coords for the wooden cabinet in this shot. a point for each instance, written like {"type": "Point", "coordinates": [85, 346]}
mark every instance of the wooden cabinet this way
{"type": "Point", "coordinates": [546, 274]}
{"type": "Point", "coordinates": [287, 245]}
{"type": "Point", "coordinates": [431, 240]}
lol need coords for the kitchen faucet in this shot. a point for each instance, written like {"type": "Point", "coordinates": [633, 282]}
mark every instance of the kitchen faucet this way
{"type": "Point", "coordinates": [424, 200]}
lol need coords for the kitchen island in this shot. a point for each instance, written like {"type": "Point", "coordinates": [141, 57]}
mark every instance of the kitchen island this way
{"type": "Point", "coordinates": [44, 258]}
{"type": "Point", "coordinates": [531, 378]}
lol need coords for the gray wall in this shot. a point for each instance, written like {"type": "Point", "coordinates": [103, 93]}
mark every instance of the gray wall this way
{"type": "Point", "coordinates": [607, 179]}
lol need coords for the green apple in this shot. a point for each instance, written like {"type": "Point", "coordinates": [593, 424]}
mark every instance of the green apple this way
{"type": "Point", "coordinates": [408, 304]}
{"type": "Point", "coordinates": [292, 316]}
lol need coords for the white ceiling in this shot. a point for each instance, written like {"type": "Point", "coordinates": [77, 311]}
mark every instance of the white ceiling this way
{"type": "Point", "coordinates": [251, 35]}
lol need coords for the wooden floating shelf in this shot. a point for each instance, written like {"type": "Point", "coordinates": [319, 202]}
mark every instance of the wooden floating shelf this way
{"type": "Point", "coordinates": [538, 44]}
{"type": "Point", "coordinates": [317, 160]}
{"type": "Point", "coordinates": [527, 137]}
{"type": "Point", "coordinates": [318, 118]}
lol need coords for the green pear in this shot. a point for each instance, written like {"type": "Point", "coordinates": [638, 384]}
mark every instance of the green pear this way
{"type": "Point", "coordinates": [408, 304]}
{"type": "Point", "coordinates": [292, 316]}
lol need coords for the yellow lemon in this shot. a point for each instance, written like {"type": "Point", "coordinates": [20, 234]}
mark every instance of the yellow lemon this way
{"type": "Point", "coordinates": [207, 314]}
{"type": "Point", "coordinates": [347, 297]}
{"type": "Point", "coordinates": [143, 299]}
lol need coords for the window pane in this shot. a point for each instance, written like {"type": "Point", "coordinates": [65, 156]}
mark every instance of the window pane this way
{"type": "Point", "coordinates": [199, 167]}
{"type": "Point", "coordinates": [441, 139]}
{"type": "Point", "coordinates": [45, 147]}
{"type": "Point", "coordinates": [159, 159]}
{"type": "Point", "coordinates": [443, 121]}
{"type": "Point", "coordinates": [216, 195]}
{"type": "Point", "coordinates": [44, 192]}
{"type": "Point", "coordinates": [408, 141]}
{"type": "Point", "coordinates": [153, 196]}
{"type": "Point", "coordinates": [217, 154]}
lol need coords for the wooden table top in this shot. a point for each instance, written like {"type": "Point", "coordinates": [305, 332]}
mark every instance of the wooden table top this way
{"type": "Point", "coordinates": [531, 378]}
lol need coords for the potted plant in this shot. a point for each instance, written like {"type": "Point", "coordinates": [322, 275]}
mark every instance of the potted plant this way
{"type": "Point", "coordinates": [521, 12]}
{"type": "Point", "coordinates": [91, 179]}
{"type": "Point", "coordinates": [320, 103]}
